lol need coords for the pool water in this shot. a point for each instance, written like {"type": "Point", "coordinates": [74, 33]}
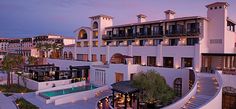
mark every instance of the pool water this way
{"type": "Point", "coordinates": [67, 91]}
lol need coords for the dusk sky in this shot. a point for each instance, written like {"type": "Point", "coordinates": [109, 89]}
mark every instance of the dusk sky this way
{"type": "Point", "coordinates": [27, 18]}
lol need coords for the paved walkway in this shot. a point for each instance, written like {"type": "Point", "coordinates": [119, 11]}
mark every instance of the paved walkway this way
{"type": "Point", "coordinates": [89, 104]}
{"type": "Point", "coordinates": [205, 91]}
{"type": "Point", "coordinates": [6, 103]}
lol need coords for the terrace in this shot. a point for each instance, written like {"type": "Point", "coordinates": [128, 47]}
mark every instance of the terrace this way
{"type": "Point", "coordinates": [155, 29]}
{"type": "Point", "coordinates": [217, 61]}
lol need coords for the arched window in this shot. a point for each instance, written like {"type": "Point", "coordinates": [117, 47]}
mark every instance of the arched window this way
{"type": "Point", "coordinates": [95, 25]}
{"type": "Point", "coordinates": [117, 59]}
{"type": "Point", "coordinates": [82, 34]}
{"type": "Point", "coordinates": [178, 87]}
{"type": "Point", "coordinates": [70, 55]}
{"type": "Point", "coordinates": [65, 55]}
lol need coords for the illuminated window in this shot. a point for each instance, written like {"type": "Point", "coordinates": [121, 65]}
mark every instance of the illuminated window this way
{"type": "Point", "coordinates": [82, 34]}
{"type": "Point", "coordinates": [94, 57]}
{"type": "Point", "coordinates": [95, 43]}
{"type": "Point", "coordinates": [95, 25]}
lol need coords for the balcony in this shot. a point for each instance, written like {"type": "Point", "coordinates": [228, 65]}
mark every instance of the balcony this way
{"type": "Point", "coordinates": [183, 32]}
{"type": "Point", "coordinates": [193, 32]}
{"type": "Point", "coordinates": [120, 36]}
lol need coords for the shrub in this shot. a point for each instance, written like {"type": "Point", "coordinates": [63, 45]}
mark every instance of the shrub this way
{"type": "Point", "coordinates": [154, 87]}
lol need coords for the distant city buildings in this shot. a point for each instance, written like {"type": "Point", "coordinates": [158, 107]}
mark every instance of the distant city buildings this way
{"type": "Point", "coordinates": [35, 46]}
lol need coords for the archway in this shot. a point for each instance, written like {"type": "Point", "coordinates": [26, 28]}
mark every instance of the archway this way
{"type": "Point", "coordinates": [118, 59]}
{"type": "Point", "coordinates": [178, 87]}
{"type": "Point", "coordinates": [65, 55]}
{"type": "Point", "coordinates": [95, 25]}
{"type": "Point", "coordinates": [70, 55]}
{"type": "Point", "coordinates": [82, 34]}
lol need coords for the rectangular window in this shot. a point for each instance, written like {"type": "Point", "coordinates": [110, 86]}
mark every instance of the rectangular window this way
{"type": "Point", "coordinates": [137, 60]}
{"type": "Point", "coordinates": [151, 61]}
{"type": "Point", "coordinates": [157, 42]}
{"type": "Point", "coordinates": [142, 42]}
{"type": "Point", "coordinates": [173, 42]}
{"type": "Point", "coordinates": [129, 42]}
{"type": "Point", "coordinates": [95, 43]}
{"type": "Point", "coordinates": [186, 62]}
{"type": "Point", "coordinates": [192, 41]}
{"type": "Point", "coordinates": [78, 44]}
{"type": "Point", "coordinates": [86, 43]}
{"type": "Point", "coordinates": [94, 57]}
{"type": "Point", "coordinates": [192, 27]}
{"type": "Point", "coordinates": [168, 62]}
{"type": "Point", "coordinates": [141, 31]}
{"type": "Point", "coordinates": [95, 34]}
{"type": "Point", "coordinates": [172, 29]}
{"type": "Point", "coordinates": [103, 58]}
{"type": "Point", "coordinates": [82, 57]}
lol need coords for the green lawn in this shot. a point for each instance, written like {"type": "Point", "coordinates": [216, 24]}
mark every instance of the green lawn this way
{"type": "Point", "coordinates": [14, 88]}
{"type": "Point", "coordinates": [23, 104]}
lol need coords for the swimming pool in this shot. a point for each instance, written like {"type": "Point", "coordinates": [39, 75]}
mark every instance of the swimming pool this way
{"type": "Point", "coordinates": [49, 94]}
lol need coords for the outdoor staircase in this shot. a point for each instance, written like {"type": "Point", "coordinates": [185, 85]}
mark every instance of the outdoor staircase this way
{"type": "Point", "coordinates": [206, 89]}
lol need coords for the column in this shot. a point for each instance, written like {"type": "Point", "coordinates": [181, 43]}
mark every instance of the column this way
{"type": "Point", "coordinates": [125, 101]}
{"type": "Point", "coordinates": [137, 101]}
{"type": "Point", "coordinates": [113, 98]}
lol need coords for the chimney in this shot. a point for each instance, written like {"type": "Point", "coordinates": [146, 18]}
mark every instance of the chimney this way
{"type": "Point", "coordinates": [170, 14]}
{"type": "Point", "coordinates": [141, 18]}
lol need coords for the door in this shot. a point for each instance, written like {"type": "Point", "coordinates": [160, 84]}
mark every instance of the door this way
{"type": "Point", "coordinates": [119, 77]}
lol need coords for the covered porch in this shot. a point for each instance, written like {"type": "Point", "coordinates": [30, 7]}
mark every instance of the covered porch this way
{"type": "Point", "coordinates": [219, 61]}
{"type": "Point", "coordinates": [81, 72]}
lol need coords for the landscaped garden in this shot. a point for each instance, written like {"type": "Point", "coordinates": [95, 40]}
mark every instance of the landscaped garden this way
{"type": "Point", "coordinates": [147, 90]}
{"type": "Point", "coordinates": [14, 88]}
{"type": "Point", "coordinates": [23, 104]}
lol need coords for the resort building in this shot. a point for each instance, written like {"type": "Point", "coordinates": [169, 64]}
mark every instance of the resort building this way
{"type": "Point", "coordinates": [4, 44]}
{"type": "Point", "coordinates": [195, 55]}
{"type": "Point", "coordinates": [3, 47]}
{"type": "Point", "coordinates": [34, 46]}
{"type": "Point", "coordinates": [203, 43]}
{"type": "Point", "coordinates": [116, 52]}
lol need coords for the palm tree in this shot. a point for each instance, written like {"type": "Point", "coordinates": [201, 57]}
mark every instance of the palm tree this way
{"type": "Point", "coordinates": [39, 47]}
{"type": "Point", "coordinates": [47, 47]}
{"type": "Point", "coordinates": [55, 48]}
{"type": "Point", "coordinates": [7, 66]}
{"type": "Point", "coordinates": [10, 63]}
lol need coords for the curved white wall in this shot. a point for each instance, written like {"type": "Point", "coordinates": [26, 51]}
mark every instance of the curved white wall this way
{"type": "Point", "coordinates": [184, 99]}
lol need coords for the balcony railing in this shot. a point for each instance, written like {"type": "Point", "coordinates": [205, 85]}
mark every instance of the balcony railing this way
{"type": "Point", "coordinates": [183, 32]}
{"type": "Point", "coordinates": [152, 34]}
{"type": "Point", "coordinates": [193, 32]}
